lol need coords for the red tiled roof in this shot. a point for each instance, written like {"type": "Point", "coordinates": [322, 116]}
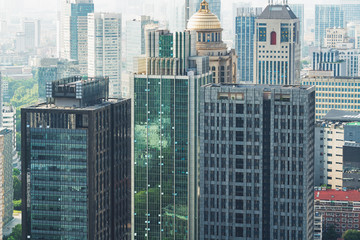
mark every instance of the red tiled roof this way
{"type": "Point", "coordinates": [333, 195]}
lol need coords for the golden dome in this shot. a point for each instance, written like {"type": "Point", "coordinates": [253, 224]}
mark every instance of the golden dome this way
{"type": "Point", "coordinates": [204, 19]}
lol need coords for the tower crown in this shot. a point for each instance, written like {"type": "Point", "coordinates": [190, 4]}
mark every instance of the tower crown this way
{"type": "Point", "coordinates": [204, 19]}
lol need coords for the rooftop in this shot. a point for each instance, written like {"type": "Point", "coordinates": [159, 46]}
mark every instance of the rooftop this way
{"type": "Point", "coordinates": [204, 19]}
{"type": "Point", "coordinates": [277, 12]}
{"type": "Point", "coordinates": [342, 116]}
{"type": "Point", "coordinates": [336, 195]}
{"type": "Point", "coordinates": [258, 86]}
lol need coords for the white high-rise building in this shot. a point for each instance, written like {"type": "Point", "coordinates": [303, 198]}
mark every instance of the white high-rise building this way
{"type": "Point", "coordinates": [334, 36]}
{"type": "Point", "coordinates": [104, 49]}
{"type": "Point", "coordinates": [31, 29]}
{"type": "Point", "coordinates": [73, 31]}
{"type": "Point", "coordinates": [277, 46]}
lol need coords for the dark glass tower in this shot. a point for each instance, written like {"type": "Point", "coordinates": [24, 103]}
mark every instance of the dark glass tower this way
{"type": "Point", "coordinates": [76, 163]}
{"type": "Point", "coordinates": [256, 162]}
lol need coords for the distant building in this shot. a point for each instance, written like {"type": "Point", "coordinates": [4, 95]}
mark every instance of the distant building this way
{"type": "Point", "coordinates": [32, 31]}
{"type": "Point", "coordinates": [334, 36]}
{"type": "Point", "coordinates": [277, 47]}
{"type": "Point", "coordinates": [327, 16]}
{"type": "Point", "coordinates": [244, 42]}
{"type": "Point", "coordinates": [298, 10]}
{"type": "Point", "coordinates": [76, 163]}
{"type": "Point", "coordinates": [338, 208]}
{"type": "Point", "coordinates": [339, 93]}
{"type": "Point", "coordinates": [104, 49]}
{"type": "Point", "coordinates": [253, 185]}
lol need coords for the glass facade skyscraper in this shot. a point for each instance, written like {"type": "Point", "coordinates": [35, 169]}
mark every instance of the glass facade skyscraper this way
{"type": "Point", "coordinates": [165, 137]}
{"type": "Point", "coordinates": [76, 163]}
{"type": "Point", "coordinates": [327, 16]}
{"type": "Point", "coordinates": [244, 42]}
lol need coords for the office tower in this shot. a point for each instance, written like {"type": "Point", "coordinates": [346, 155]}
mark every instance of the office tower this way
{"type": "Point", "coordinates": [209, 43]}
{"type": "Point", "coordinates": [135, 38]}
{"type": "Point", "coordinates": [351, 9]}
{"type": "Point", "coordinates": [175, 12]}
{"type": "Point", "coordinates": [214, 5]}
{"type": "Point", "coordinates": [20, 42]}
{"type": "Point", "coordinates": [9, 122]}
{"type": "Point", "coordinates": [6, 141]}
{"type": "Point", "coordinates": [298, 10]}
{"type": "Point", "coordinates": [329, 60]}
{"type": "Point", "coordinates": [73, 31]}
{"type": "Point", "coordinates": [351, 58]}
{"type": "Point", "coordinates": [327, 16]}
{"type": "Point", "coordinates": [337, 208]}
{"type": "Point", "coordinates": [165, 136]}
{"type": "Point", "coordinates": [104, 44]}
{"type": "Point", "coordinates": [244, 42]}
{"type": "Point", "coordinates": [277, 46]}
{"type": "Point", "coordinates": [340, 93]}
{"type": "Point", "coordinates": [334, 36]}
{"type": "Point", "coordinates": [32, 31]}
{"type": "Point", "coordinates": [75, 151]}
{"type": "Point", "coordinates": [256, 161]}
{"type": "Point", "coordinates": [52, 69]}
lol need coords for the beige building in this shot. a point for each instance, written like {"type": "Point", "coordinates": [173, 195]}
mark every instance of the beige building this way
{"type": "Point", "coordinates": [334, 36]}
{"type": "Point", "coordinates": [209, 43]}
{"type": "Point", "coordinates": [340, 93]}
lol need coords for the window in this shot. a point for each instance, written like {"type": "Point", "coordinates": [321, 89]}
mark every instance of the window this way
{"type": "Point", "coordinates": [273, 38]}
{"type": "Point", "coordinates": [262, 34]}
{"type": "Point", "coordinates": [284, 34]}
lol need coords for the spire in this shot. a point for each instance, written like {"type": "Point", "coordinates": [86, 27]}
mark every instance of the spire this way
{"type": "Point", "coordinates": [204, 7]}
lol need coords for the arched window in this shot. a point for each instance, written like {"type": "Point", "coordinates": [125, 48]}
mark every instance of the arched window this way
{"type": "Point", "coordinates": [273, 38]}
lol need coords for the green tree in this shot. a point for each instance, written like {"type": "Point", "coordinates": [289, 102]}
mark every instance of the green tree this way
{"type": "Point", "coordinates": [330, 234]}
{"type": "Point", "coordinates": [16, 172]}
{"type": "Point", "coordinates": [351, 235]}
{"type": "Point", "coordinates": [16, 233]}
{"type": "Point", "coordinates": [17, 204]}
{"type": "Point", "coordinates": [17, 188]}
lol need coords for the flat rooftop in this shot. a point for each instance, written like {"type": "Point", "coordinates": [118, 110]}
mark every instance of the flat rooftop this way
{"type": "Point", "coordinates": [337, 195]}
{"type": "Point", "coordinates": [258, 86]}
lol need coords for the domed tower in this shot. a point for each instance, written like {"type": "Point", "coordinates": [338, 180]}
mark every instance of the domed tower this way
{"type": "Point", "coordinates": [209, 43]}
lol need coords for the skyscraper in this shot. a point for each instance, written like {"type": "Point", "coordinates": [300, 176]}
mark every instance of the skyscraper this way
{"type": "Point", "coordinates": [327, 16]}
{"type": "Point", "coordinates": [209, 43]}
{"type": "Point", "coordinates": [76, 163]}
{"type": "Point", "coordinates": [244, 42]}
{"type": "Point", "coordinates": [73, 31]}
{"type": "Point", "coordinates": [32, 31]}
{"type": "Point", "coordinates": [277, 46]}
{"type": "Point", "coordinates": [256, 162]}
{"type": "Point", "coordinates": [351, 9]}
{"type": "Point", "coordinates": [165, 136]}
{"type": "Point", "coordinates": [104, 49]}
{"type": "Point", "coordinates": [298, 10]}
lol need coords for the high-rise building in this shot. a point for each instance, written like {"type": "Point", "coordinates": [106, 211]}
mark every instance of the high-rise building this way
{"type": "Point", "coordinates": [340, 93]}
{"type": "Point", "coordinates": [256, 162]}
{"type": "Point", "coordinates": [32, 31]}
{"type": "Point", "coordinates": [75, 151]}
{"type": "Point", "coordinates": [135, 38]}
{"type": "Point", "coordinates": [7, 152]}
{"type": "Point", "coordinates": [327, 59]}
{"type": "Point", "coordinates": [165, 105]}
{"type": "Point", "coordinates": [327, 16]}
{"type": "Point", "coordinates": [209, 43]}
{"type": "Point", "coordinates": [277, 46]}
{"type": "Point", "coordinates": [104, 44]}
{"type": "Point", "coordinates": [244, 42]}
{"type": "Point", "coordinates": [298, 10]}
{"type": "Point", "coordinates": [351, 9]}
{"type": "Point", "coordinates": [73, 31]}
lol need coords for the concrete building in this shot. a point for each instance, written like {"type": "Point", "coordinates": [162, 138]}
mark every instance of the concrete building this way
{"type": "Point", "coordinates": [6, 136]}
{"type": "Point", "coordinates": [318, 226]}
{"type": "Point", "coordinates": [165, 118]}
{"type": "Point", "coordinates": [73, 31]}
{"type": "Point", "coordinates": [209, 43]}
{"type": "Point", "coordinates": [326, 17]}
{"type": "Point", "coordinates": [334, 36]}
{"type": "Point", "coordinates": [76, 163]}
{"type": "Point", "coordinates": [298, 10]}
{"type": "Point", "coordinates": [256, 161]}
{"type": "Point", "coordinates": [104, 49]}
{"type": "Point", "coordinates": [277, 46]}
{"type": "Point", "coordinates": [9, 122]}
{"type": "Point", "coordinates": [32, 31]}
{"type": "Point", "coordinates": [339, 93]}
{"type": "Point", "coordinates": [338, 208]}
{"type": "Point", "coordinates": [245, 41]}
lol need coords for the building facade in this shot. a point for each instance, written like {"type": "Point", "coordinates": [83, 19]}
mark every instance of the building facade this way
{"type": "Point", "coordinates": [334, 36]}
{"type": "Point", "coordinates": [298, 10]}
{"type": "Point", "coordinates": [256, 162]}
{"type": "Point", "coordinates": [277, 46]}
{"type": "Point", "coordinates": [340, 93]}
{"type": "Point", "coordinates": [327, 16]}
{"type": "Point", "coordinates": [76, 163]}
{"type": "Point", "coordinates": [104, 49]}
{"type": "Point", "coordinates": [339, 209]}
{"type": "Point", "coordinates": [165, 136]}
{"type": "Point", "coordinates": [244, 42]}
{"type": "Point", "coordinates": [209, 43]}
